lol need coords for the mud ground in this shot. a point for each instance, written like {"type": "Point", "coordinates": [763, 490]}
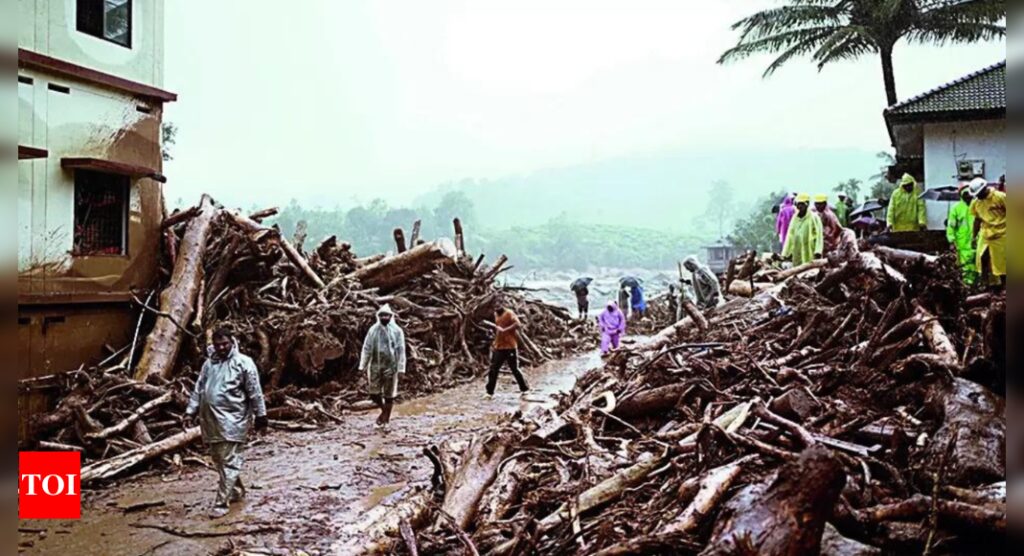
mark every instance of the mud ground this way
{"type": "Point", "coordinates": [308, 490]}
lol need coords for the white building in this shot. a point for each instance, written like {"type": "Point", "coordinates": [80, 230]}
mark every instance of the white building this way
{"type": "Point", "coordinates": [951, 134]}
{"type": "Point", "coordinates": [90, 198]}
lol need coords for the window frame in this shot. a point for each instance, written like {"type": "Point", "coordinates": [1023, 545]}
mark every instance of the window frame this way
{"type": "Point", "coordinates": [103, 22]}
{"type": "Point", "coordinates": [126, 186]}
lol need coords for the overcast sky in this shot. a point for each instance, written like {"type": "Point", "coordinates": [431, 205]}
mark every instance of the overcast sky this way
{"type": "Point", "coordinates": [334, 100]}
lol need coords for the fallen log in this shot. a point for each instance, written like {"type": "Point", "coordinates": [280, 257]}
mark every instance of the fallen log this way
{"type": "Point", "coordinates": [649, 402]}
{"type": "Point", "coordinates": [798, 270]}
{"type": "Point", "coordinates": [375, 533]}
{"type": "Point", "coordinates": [959, 514]}
{"type": "Point", "coordinates": [120, 463]}
{"type": "Point", "coordinates": [747, 289]}
{"type": "Point", "coordinates": [973, 419]}
{"type": "Point", "coordinates": [474, 474]}
{"type": "Point", "coordinates": [710, 491]}
{"type": "Point", "coordinates": [395, 271]}
{"type": "Point", "coordinates": [784, 515]}
{"type": "Point", "coordinates": [179, 298]}
{"type": "Point", "coordinates": [131, 419]}
{"type": "Point", "coordinates": [696, 315]}
{"type": "Point", "coordinates": [938, 340]}
{"type": "Point", "coordinates": [905, 256]}
{"type": "Point", "coordinates": [179, 217]}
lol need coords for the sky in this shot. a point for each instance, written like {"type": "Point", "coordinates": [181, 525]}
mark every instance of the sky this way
{"type": "Point", "coordinates": [339, 101]}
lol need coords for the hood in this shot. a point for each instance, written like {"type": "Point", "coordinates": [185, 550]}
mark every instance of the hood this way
{"type": "Point", "coordinates": [788, 201]}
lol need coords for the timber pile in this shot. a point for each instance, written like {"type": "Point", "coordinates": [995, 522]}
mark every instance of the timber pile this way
{"type": "Point", "coordinates": [848, 409]}
{"type": "Point", "coordinates": [302, 317]}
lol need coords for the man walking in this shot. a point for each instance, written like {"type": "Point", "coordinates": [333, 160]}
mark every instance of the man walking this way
{"type": "Point", "coordinates": [582, 301]}
{"type": "Point", "coordinates": [227, 395]}
{"type": "Point", "coordinates": [843, 208]}
{"type": "Point", "coordinates": [505, 349]}
{"type": "Point", "coordinates": [613, 325]}
{"type": "Point", "coordinates": [383, 359]}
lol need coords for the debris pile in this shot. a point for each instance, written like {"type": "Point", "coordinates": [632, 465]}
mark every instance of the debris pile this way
{"type": "Point", "coordinates": [851, 407]}
{"type": "Point", "coordinates": [302, 318]}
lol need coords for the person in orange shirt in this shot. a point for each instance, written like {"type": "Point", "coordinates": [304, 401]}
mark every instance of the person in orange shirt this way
{"type": "Point", "coordinates": [505, 349]}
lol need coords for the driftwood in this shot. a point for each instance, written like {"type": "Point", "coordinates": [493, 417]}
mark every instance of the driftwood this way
{"type": "Point", "coordinates": [120, 463]}
{"type": "Point", "coordinates": [475, 473]}
{"type": "Point", "coordinates": [798, 270]}
{"type": "Point", "coordinates": [127, 422]}
{"type": "Point", "coordinates": [973, 420]}
{"type": "Point", "coordinates": [710, 491]}
{"type": "Point", "coordinates": [786, 514]}
{"type": "Point", "coordinates": [394, 271]}
{"type": "Point", "coordinates": [160, 352]}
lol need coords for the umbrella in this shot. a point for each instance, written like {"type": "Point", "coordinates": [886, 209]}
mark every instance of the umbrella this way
{"type": "Point", "coordinates": [631, 281]}
{"type": "Point", "coordinates": [944, 193]}
{"type": "Point", "coordinates": [580, 283]}
{"type": "Point", "coordinates": [865, 209]}
{"type": "Point", "coordinates": [866, 221]}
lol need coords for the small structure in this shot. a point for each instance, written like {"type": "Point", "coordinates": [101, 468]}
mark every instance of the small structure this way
{"type": "Point", "coordinates": [718, 256]}
{"type": "Point", "coordinates": [90, 195]}
{"type": "Point", "coordinates": [951, 134]}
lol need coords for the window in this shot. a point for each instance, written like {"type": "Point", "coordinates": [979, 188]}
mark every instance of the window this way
{"type": "Point", "coordinates": [106, 19]}
{"type": "Point", "coordinates": [101, 213]}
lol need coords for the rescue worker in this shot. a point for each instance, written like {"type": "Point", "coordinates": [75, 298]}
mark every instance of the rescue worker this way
{"type": "Point", "coordinates": [843, 208]}
{"type": "Point", "coordinates": [637, 301]}
{"type": "Point", "coordinates": [226, 398]}
{"type": "Point", "coordinates": [785, 216]}
{"type": "Point", "coordinates": [989, 211]}
{"type": "Point", "coordinates": [505, 349]}
{"type": "Point", "coordinates": [706, 288]}
{"type": "Point", "coordinates": [383, 359]}
{"type": "Point", "coordinates": [613, 325]}
{"type": "Point", "coordinates": [804, 240]}
{"type": "Point", "coordinates": [960, 234]}
{"type": "Point", "coordinates": [906, 211]}
{"type": "Point", "coordinates": [831, 229]}
{"type": "Point", "coordinates": [673, 300]}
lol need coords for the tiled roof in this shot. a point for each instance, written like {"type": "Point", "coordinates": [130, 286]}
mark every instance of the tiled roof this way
{"type": "Point", "coordinates": [981, 90]}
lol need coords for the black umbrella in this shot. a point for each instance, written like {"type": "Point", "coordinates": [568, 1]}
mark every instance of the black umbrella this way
{"type": "Point", "coordinates": [580, 283]}
{"type": "Point", "coordinates": [631, 281]}
{"type": "Point", "coordinates": [865, 209]}
{"type": "Point", "coordinates": [944, 193]}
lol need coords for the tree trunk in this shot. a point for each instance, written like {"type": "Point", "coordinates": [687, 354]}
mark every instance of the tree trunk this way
{"type": "Point", "coordinates": [475, 473]}
{"type": "Point", "coordinates": [784, 515]}
{"type": "Point", "coordinates": [400, 245]}
{"type": "Point", "coordinates": [651, 402]}
{"type": "Point", "coordinates": [392, 272]}
{"type": "Point", "coordinates": [974, 420]}
{"type": "Point", "coordinates": [179, 298]}
{"type": "Point", "coordinates": [123, 462]}
{"type": "Point", "coordinates": [889, 76]}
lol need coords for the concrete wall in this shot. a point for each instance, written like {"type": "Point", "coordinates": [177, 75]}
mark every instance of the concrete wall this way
{"type": "Point", "coordinates": [49, 27]}
{"type": "Point", "coordinates": [947, 143]}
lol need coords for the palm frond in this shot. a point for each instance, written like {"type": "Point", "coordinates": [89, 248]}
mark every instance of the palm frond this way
{"type": "Point", "coordinates": [783, 41]}
{"type": "Point", "coordinates": [773, 21]}
{"type": "Point", "coordinates": [847, 44]}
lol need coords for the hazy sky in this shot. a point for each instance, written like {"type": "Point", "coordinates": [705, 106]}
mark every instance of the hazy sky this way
{"type": "Point", "coordinates": [333, 100]}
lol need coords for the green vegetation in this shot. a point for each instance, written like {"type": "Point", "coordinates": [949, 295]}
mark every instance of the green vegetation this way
{"type": "Point", "coordinates": [835, 30]}
{"type": "Point", "coordinates": [757, 230]}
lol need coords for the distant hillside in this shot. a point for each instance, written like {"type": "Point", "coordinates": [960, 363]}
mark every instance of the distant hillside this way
{"type": "Point", "coordinates": [666, 191]}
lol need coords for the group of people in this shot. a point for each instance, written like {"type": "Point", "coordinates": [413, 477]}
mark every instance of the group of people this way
{"type": "Point", "coordinates": [227, 400]}
{"type": "Point", "coordinates": [975, 226]}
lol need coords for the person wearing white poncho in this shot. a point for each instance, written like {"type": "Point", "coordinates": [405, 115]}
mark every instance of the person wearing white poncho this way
{"type": "Point", "coordinates": [383, 359]}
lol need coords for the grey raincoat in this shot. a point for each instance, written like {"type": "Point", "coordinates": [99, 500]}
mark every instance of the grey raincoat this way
{"type": "Point", "coordinates": [226, 397]}
{"type": "Point", "coordinates": [705, 284]}
{"type": "Point", "coordinates": [384, 346]}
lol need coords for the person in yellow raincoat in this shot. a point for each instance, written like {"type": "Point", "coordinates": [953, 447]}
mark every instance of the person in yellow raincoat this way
{"type": "Point", "coordinates": [804, 241]}
{"type": "Point", "coordinates": [906, 207]}
{"type": "Point", "coordinates": [960, 234]}
{"type": "Point", "coordinates": [989, 211]}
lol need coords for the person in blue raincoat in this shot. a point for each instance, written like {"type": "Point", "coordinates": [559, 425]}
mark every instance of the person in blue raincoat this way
{"type": "Point", "coordinates": [637, 301]}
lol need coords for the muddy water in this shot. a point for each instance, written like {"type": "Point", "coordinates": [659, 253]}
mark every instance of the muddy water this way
{"type": "Point", "coordinates": [311, 489]}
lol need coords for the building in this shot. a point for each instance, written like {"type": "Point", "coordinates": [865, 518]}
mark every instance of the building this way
{"type": "Point", "coordinates": [953, 133]}
{"type": "Point", "coordinates": [718, 256]}
{"type": "Point", "coordinates": [90, 197]}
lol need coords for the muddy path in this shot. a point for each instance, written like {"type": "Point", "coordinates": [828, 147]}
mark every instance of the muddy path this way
{"type": "Point", "coordinates": [307, 490]}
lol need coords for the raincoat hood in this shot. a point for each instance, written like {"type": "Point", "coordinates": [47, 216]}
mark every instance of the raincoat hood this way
{"type": "Point", "coordinates": [788, 201]}
{"type": "Point", "coordinates": [691, 263]}
{"type": "Point", "coordinates": [908, 179]}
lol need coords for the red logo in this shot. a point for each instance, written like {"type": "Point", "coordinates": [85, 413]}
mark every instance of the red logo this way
{"type": "Point", "coordinates": [49, 485]}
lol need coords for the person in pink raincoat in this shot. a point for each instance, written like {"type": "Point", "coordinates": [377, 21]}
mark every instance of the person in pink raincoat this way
{"type": "Point", "coordinates": [613, 325]}
{"type": "Point", "coordinates": [786, 213]}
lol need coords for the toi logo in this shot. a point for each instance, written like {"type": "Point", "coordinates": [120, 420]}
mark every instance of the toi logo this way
{"type": "Point", "coordinates": [49, 485]}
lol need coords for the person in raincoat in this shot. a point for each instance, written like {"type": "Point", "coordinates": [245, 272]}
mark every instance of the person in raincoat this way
{"type": "Point", "coordinates": [613, 325]}
{"type": "Point", "coordinates": [383, 359]}
{"type": "Point", "coordinates": [831, 229]}
{"type": "Point", "coordinates": [706, 288]}
{"type": "Point", "coordinates": [785, 216]}
{"type": "Point", "coordinates": [989, 211]}
{"type": "Point", "coordinates": [843, 208]}
{"type": "Point", "coordinates": [582, 301]}
{"type": "Point", "coordinates": [906, 211]}
{"type": "Point", "coordinates": [804, 240]}
{"type": "Point", "coordinates": [960, 234]}
{"type": "Point", "coordinates": [226, 398]}
{"type": "Point", "coordinates": [637, 302]}
{"type": "Point", "coordinates": [624, 296]}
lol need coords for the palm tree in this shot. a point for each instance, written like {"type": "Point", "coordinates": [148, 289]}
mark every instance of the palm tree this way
{"type": "Point", "coordinates": [833, 30]}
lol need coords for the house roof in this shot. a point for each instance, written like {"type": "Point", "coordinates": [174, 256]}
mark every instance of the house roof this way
{"type": "Point", "coordinates": [982, 92]}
